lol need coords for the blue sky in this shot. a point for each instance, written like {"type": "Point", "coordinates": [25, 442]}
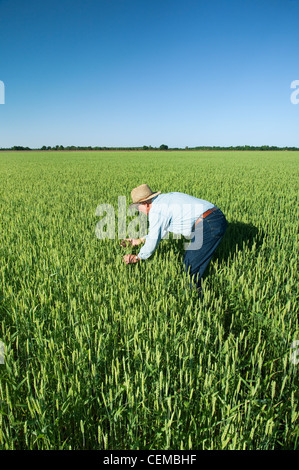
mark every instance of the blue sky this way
{"type": "Point", "coordinates": [147, 72]}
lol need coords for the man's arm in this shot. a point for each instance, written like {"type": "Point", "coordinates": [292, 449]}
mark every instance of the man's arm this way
{"type": "Point", "coordinates": [157, 230]}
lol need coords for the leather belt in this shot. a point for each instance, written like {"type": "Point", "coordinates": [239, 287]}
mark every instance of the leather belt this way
{"type": "Point", "coordinates": [205, 214]}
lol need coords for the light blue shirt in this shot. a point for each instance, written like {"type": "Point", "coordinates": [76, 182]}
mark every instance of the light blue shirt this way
{"type": "Point", "coordinates": [172, 212]}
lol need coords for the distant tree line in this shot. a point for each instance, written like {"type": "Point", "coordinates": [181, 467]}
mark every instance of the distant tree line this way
{"type": "Point", "coordinates": [149, 147]}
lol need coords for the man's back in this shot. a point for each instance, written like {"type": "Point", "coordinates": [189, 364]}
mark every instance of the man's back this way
{"type": "Point", "coordinates": [172, 212]}
{"type": "Point", "coordinates": [178, 212]}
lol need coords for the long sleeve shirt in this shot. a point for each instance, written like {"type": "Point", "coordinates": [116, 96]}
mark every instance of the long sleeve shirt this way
{"type": "Point", "coordinates": [171, 212]}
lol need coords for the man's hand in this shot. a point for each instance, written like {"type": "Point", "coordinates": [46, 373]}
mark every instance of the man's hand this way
{"type": "Point", "coordinates": [130, 259]}
{"type": "Point", "coordinates": [132, 241]}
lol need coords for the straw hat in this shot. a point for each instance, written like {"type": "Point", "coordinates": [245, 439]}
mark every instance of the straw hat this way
{"type": "Point", "coordinates": [141, 194]}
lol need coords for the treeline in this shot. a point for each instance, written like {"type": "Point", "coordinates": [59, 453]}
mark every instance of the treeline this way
{"type": "Point", "coordinates": [149, 147]}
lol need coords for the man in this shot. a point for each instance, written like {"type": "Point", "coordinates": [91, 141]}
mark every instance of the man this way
{"type": "Point", "coordinates": [195, 219]}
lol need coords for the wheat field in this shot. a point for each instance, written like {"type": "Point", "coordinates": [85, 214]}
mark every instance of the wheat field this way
{"type": "Point", "coordinates": [100, 355]}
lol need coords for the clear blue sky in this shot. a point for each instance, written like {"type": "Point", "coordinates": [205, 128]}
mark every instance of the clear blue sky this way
{"type": "Point", "coordinates": [147, 72]}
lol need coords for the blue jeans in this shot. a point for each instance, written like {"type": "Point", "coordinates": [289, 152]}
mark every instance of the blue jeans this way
{"type": "Point", "coordinates": [207, 235]}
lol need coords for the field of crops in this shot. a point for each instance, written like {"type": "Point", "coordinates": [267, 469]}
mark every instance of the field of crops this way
{"type": "Point", "coordinates": [100, 355]}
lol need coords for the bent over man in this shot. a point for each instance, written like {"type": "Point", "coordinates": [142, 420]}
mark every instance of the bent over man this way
{"type": "Point", "coordinates": [196, 219]}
